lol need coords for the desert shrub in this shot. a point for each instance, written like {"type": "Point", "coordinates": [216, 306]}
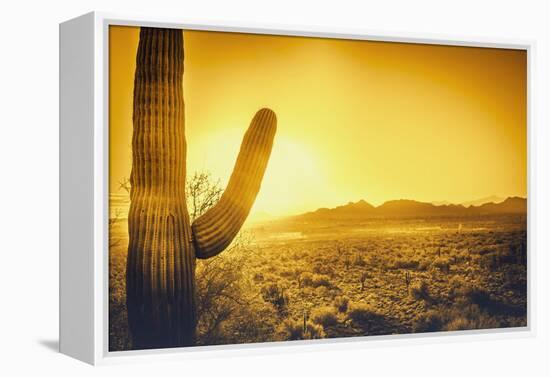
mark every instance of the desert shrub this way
{"type": "Point", "coordinates": [323, 268]}
{"type": "Point", "coordinates": [475, 259]}
{"type": "Point", "coordinates": [460, 257]}
{"type": "Point", "coordinates": [254, 321]}
{"type": "Point", "coordinates": [509, 257]}
{"type": "Point", "coordinates": [442, 263]}
{"type": "Point", "coordinates": [491, 261]}
{"type": "Point", "coordinates": [515, 278]}
{"type": "Point", "coordinates": [424, 264]}
{"type": "Point", "coordinates": [305, 279]}
{"type": "Point", "coordinates": [465, 293]}
{"type": "Point", "coordinates": [217, 280]}
{"type": "Point", "coordinates": [459, 323]}
{"type": "Point", "coordinates": [358, 260]}
{"type": "Point", "coordinates": [324, 316]}
{"type": "Point", "coordinates": [488, 249]}
{"type": "Point", "coordinates": [314, 331]}
{"type": "Point", "coordinates": [341, 304]}
{"type": "Point", "coordinates": [328, 270]}
{"type": "Point", "coordinates": [469, 317]}
{"type": "Point", "coordinates": [307, 291]}
{"type": "Point", "coordinates": [518, 253]}
{"type": "Point", "coordinates": [405, 263]}
{"type": "Point", "coordinates": [429, 321]}
{"type": "Point", "coordinates": [322, 291]}
{"type": "Point", "coordinates": [374, 260]}
{"type": "Point", "coordinates": [484, 321]}
{"type": "Point", "coordinates": [477, 295]}
{"type": "Point", "coordinates": [230, 307]}
{"type": "Point", "coordinates": [118, 328]}
{"type": "Point", "coordinates": [361, 313]}
{"type": "Point", "coordinates": [317, 267]}
{"type": "Point", "coordinates": [288, 273]}
{"type": "Point", "coordinates": [291, 329]}
{"type": "Point", "coordinates": [272, 269]}
{"type": "Point", "coordinates": [320, 280]}
{"type": "Point", "coordinates": [460, 316]}
{"type": "Point", "coordinates": [314, 280]}
{"type": "Point", "coordinates": [419, 290]}
{"type": "Point", "coordinates": [470, 271]}
{"type": "Point", "coordinates": [346, 260]}
{"type": "Point", "coordinates": [276, 296]}
{"type": "Point", "coordinates": [455, 283]}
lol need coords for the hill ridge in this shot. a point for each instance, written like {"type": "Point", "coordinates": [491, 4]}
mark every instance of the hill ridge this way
{"type": "Point", "coordinates": [414, 208]}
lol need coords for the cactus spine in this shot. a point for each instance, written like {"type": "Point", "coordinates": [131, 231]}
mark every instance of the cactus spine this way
{"type": "Point", "coordinates": [163, 245]}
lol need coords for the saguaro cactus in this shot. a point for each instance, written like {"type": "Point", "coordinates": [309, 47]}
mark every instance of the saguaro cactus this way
{"type": "Point", "coordinates": [407, 280]}
{"type": "Point", "coordinates": [163, 245]}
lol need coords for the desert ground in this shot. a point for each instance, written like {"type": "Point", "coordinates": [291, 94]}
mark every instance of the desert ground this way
{"type": "Point", "coordinates": [290, 279]}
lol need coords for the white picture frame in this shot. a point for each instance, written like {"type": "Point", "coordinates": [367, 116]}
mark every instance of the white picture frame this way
{"type": "Point", "coordinates": [84, 158]}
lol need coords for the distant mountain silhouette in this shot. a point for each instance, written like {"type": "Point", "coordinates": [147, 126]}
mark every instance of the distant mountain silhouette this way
{"type": "Point", "coordinates": [510, 205]}
{"type": "Point", "coordinates": [350, 210]}
{"type": "Point", "coordinates": [412, 208]}
{"type": "Point", "coordinates": [441, 203]}
{"type": "Point", "coordinates": [478, 202]}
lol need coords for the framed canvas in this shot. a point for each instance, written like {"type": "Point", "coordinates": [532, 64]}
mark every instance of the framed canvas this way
{"type": "Point", "coordinates": [228, 188]}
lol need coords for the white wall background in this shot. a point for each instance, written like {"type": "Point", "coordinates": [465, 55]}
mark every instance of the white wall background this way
{"type": "Point", "coordinates": [29, 184]}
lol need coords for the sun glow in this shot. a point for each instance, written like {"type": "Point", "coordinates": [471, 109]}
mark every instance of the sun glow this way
{"type": "Point", "coordinates": [292, 166]}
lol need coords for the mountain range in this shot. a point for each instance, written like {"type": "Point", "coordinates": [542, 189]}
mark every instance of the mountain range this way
{"type": "Point", "coordinates": [412, 208]}
{"type": "Point", "coordinates": [477, 202]}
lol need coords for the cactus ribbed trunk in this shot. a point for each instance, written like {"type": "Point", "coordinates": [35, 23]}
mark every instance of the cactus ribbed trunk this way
{"type": "Point", "coordinates": [161, 261]}
{"type": "Point", "coordinates": [160, 271]}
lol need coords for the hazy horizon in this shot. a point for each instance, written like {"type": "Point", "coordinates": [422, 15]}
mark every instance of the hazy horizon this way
{"type": "Point", "coordinates": [262, 214]}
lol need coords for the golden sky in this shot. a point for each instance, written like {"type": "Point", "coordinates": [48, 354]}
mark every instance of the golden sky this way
{"type": "Point", "coordinates": [356, 119]}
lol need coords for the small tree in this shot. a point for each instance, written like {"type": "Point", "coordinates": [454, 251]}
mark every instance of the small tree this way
{"type": "Point", "coordinates": [124, 184]}
{"type": "Point", "coordinates": [202, 192]}
{"type": "Point", "coordinates": [224, 294]}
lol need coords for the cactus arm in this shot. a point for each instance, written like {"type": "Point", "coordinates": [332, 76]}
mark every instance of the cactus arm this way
{"type": "Point", "coordinates": [214, 231]}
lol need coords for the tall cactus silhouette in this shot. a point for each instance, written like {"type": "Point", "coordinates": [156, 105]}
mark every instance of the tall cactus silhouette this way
{"type": "Point", "coordinates": [163, 245]}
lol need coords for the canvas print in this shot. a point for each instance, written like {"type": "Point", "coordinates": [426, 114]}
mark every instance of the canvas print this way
{"type": "Point", "coordinates": [269, 188]}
